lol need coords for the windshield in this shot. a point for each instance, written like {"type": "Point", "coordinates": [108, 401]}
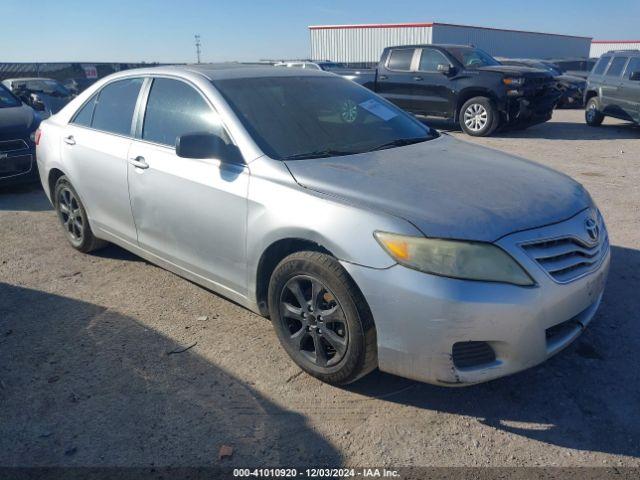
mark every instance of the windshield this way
{"type": "Point", "coordinates": [7, 99]}
{"type": "Point", "coordinates": [318, 116]}
{"type": "Point", "coordinates": [473, 57]}
{"type": "Point", "coordinates": [50, 87]}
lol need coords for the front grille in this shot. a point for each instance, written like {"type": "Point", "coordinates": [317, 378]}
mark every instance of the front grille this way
{"type": "Point", "coordinates": [15, 165]}
{"type": "Point", "coordinates": [569, 257]}
{"type": "Point", "coordinates": [472, 354]}
{"type": "Point", "coordinates": [11, 146]}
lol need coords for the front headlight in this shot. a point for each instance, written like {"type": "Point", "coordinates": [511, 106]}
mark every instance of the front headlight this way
{"type": "Point", "coordinates": [454, 258]}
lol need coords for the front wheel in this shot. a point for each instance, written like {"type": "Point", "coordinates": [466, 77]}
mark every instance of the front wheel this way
{"type": "Point", "coordinates": [592, 115]}
{"type": "Point", "coordinates": [479, 117]}
{"type": "Point", "coordinates": [321, 318]}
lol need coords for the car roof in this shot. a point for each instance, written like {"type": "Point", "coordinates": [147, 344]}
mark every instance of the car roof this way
{"type": "Point", "coordinates": [433, 45]}
{"type": "Point", "coordinates": [224, 71]}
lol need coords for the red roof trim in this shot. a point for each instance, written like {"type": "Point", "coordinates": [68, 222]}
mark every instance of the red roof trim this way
{"type": "Point", "coordinates": [369, 25]}
{"type": "Point", "coordinates": [615, 41]}
{"type": "Point", "coordinates": [405, 25]}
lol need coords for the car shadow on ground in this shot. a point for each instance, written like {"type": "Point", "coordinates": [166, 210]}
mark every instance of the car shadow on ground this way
{"type": "Point", "coordinates": [555, 130]}
{"type": "Point", "coordinates": [585, 398]}
{"type": "Point", "coordinates": [24, 198]}
{"type": "Point", "coordinates": [85, 385]}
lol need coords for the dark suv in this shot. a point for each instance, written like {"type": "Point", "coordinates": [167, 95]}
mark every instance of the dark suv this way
{"type": "Point", "coordinates": [613, 88]}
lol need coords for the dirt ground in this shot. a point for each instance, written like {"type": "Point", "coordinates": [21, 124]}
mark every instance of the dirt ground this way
{"type": "Point", "coordinates": [87, 376]}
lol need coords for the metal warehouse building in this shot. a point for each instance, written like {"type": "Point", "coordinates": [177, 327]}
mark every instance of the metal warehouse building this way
{"type": "Point", "coordinates": [598, 47]}
{"type": "Point", "coordinates": [364, 43]}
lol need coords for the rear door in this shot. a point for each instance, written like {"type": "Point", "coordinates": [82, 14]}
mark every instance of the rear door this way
{"type": "Point", "coordinates": [612, 85]}
{"type": "Point", "coordinates": [94, 147]}
{"type": "Point", "coordinates": [395, 78]}
{"type": "Point", "coordinates": [189, 212]}
{"type": "Point", "coordinates": [432, 88]}
{"type": "Point", "coordinates": [630, 90]}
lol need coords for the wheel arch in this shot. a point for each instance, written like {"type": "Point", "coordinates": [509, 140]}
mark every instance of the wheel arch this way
{"type": "Point", "coordinates": [54, 175]}
{"type": "Point", "coordinates": [468, 94]}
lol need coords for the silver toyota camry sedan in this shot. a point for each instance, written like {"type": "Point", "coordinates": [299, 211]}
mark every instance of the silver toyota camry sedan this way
{"type": "Point", "coordinates": [369, 239]}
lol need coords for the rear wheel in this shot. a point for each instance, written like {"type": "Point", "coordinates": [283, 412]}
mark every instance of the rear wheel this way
{"type": "Point", "coordinates": [479, 117]}
{"type": "Point", "coordinates": [592, 114]}
{"type": "Point", "coordinates": [73, 217]}
{"type": "Point", "coordinates": [321, 318]}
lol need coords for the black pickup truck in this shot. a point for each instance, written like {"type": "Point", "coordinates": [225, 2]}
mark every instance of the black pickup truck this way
{"type": "Point", "coordinates": [463, 84]}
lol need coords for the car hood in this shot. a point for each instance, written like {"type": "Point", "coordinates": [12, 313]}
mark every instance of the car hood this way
{"type": "Point", "coordinates": [448, 188]}
{"type": "Point", "coordinates": [572, 79]}
{"type": "Point", "coordinates": [53, 104]}
{"type": "Point", "coordinates": [528, 72]}
{"type": "Point", "coordinates": [17, 121]}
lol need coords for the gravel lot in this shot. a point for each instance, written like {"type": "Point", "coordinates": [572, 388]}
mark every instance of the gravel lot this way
{"type": "Point", "coordinates": [86, 377]}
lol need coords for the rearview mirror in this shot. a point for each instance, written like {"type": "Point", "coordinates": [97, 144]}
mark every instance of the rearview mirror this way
{"type": "Point", "coordinates": [207, 145]}
{"type": "Point", "coordinates": [444, 69]}
{"type": "Point", "coordinates": [635, 76]}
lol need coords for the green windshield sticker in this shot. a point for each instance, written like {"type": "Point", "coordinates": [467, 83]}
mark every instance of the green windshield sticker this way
{"type": "Point", "coordinates": [378, 109]}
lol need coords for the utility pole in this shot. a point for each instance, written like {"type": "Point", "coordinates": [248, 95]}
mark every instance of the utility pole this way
{"type": "Point", "coordinates": [198, 44]}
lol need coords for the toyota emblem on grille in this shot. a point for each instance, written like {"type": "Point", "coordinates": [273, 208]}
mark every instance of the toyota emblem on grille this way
{"type": "Point", "coordinates": [592, 229]}
{"type": "Point", "coordinates": [3, 156]}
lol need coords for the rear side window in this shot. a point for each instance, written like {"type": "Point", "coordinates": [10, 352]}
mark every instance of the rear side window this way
{"type": "Point", "coordinates": [115, 105]}
{"type": "Point", "coordinates": [84, 116]}
{"type": "Point", "coordinates": [616, 67]}
{"type": "Point", "coordinates": [633, 66]}
{"type": "Point", "coordinates": [400, 59]}
{"type": "Point", "coordinates": [430, 59]}
{"type": "Point", "coordinates": [175, 108]}
{"type": "Point", "coordinates": [601, 65]}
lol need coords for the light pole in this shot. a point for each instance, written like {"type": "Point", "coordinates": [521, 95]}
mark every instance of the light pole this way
{"type": "Point", "coordinates": [198, 44]}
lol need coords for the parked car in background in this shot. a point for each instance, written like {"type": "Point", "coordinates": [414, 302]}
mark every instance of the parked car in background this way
{"type": "Point", "coordinates": [78, 85]}
{"type": "Point", "coordinates": [613, 88]}
{"type": "Point", "coordinates": [570, 86]}
{"type": "Point", "coordinates": [312, 65]}
{"type": "Point", "coordinates": [577, 67]}
{"type": "Point", "coordinates": [18, 123]}
{"type": "Point", "coordinates": [463, 84]}
{"type": "Point", "coordinates": [367, 237]}
{"type": "Point", "coordinates": [45, 95]}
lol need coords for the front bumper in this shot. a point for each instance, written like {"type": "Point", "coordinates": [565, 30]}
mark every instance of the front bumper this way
{"type": "Point", "coordinates": [419, 317]}
{"type": "Point", "coordinates": [530, 110]}
{"type": "Point", "coordinates": [17, 165]}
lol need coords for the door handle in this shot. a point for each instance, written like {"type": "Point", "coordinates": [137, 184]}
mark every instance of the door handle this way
{"type": "Point", "coordinates": [382, 77]}
{"type": "Point", "coordinates": [139, 162]}
{"type": "Point", "coordinates": [69, 140]}
{"type": "Point", "coordinates": [418, 79]}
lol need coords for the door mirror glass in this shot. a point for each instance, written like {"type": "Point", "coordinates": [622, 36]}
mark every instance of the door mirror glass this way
{"type": "Point", "coordinates": [635, 76]}
{"type": "Point", "coordinates": [207, 145]}
{"type": "Point", "coordinates": [444, 69]}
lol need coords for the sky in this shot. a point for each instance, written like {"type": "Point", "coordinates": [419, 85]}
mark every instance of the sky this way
{"type": "Point", "coordinates": [244, 30]}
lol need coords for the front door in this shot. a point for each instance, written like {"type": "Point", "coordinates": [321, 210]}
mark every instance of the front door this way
{"type": "Point", "coordinates": [630, 90]}
{"type": "Point", "coordinates": [433, 88]}
{"type": "Point", "coordinates": [189, 212]}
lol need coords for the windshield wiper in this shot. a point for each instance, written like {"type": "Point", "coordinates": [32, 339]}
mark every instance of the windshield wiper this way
{"type": "Point", "coordinates": [401, 142]}
{"type": "Point", "coordinates": [318, 154]}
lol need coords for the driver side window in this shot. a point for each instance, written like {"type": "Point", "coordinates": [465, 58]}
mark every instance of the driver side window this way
{"type": "Point", "coordinates": [430, 59]}
{"type": "Point", "coordinates": [174, 108]}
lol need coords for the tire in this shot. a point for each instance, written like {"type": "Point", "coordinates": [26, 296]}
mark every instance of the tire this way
{"type": "Point", "coordinates": [73, 217]}
{"type": "Point", "coordinates": [479, 117]}
{"type": "Point", "coordinates": [592, 115]}
{"type": "Point", "coordinates": [349, 351]}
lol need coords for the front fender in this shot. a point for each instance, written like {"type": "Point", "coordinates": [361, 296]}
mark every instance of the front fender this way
{"type": "Point", "coordinates": [279, 208]}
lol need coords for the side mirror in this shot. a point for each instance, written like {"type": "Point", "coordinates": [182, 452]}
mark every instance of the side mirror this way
{"type": "Point", "coordinates": [635, 76]}
{"type": "Point", "coordinates": [207, 145]}
{"type": "Point", "coordinates": [444, 69]}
